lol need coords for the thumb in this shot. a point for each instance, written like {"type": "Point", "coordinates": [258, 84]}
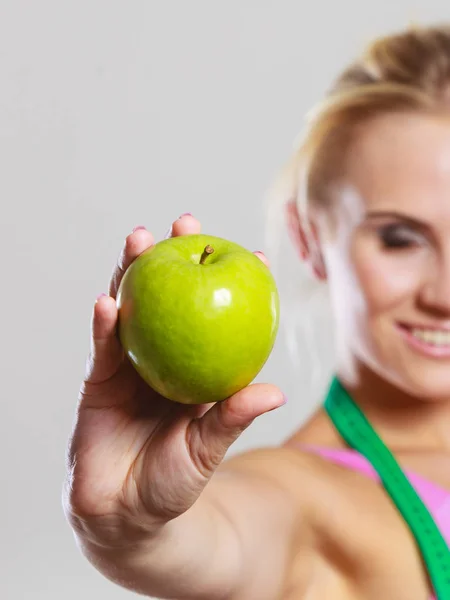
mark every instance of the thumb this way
{"type": "Point", "coordinates": [210, 436]}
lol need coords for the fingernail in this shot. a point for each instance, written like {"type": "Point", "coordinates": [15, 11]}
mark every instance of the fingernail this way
{"type": "Point", "coordinates": [282, 403]}
{"type": "Point", "coordinates": [139, 227]}
{"type": "Point", "coordinates": [185, 215]}
{"type": "Point", "coordinates": [168, 233]}
{"type": "Point", "coordinates": [100, 296]}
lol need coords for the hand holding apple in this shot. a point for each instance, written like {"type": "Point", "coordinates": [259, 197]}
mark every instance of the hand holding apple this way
{"type": "Point", "coordinates": [137, 460]}
{"type": "Point", "coordinates": [198, 317]}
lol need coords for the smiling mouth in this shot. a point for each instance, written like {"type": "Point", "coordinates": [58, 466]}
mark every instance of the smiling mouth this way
{"type": "Point", "coordinates": [434, 342]}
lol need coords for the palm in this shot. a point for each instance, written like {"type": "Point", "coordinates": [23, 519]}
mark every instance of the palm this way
{"type": "Point", "coordinates": [124, 441]}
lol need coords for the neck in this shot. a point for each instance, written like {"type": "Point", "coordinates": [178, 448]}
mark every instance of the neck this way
{"type": "Point", "coordinates": [403, 421]}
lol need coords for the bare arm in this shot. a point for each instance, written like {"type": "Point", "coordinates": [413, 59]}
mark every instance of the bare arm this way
{"type": "Point", "coordinates": [197, 555]}
{"type": "Point", "coordinates": [151, 504]}
{"type": "Point", "coordinates": [235, 542]}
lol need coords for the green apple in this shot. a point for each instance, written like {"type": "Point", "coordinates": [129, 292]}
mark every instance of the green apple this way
{"type": "Point", "coordinates": [198, 317]}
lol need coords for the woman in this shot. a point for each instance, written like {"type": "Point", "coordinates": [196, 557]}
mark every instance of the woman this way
{"type": "Point", "coordinates": [153, 506]}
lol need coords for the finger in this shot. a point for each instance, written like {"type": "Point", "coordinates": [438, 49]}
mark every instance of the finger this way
{"type": "Point", "coordinates": [106, 351]}
{"type": "Point", "coordinates": [135, 244]}
{"type": "Point", "coordinates": [210, 437]}
{"type": "Point", "coordinates": [185, 225]}
{"type": "Point", "coordinates": [262, 257]}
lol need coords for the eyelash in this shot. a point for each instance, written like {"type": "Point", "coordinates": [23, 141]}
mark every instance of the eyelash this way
{"type": "Point", "coordinates": [398, 237]}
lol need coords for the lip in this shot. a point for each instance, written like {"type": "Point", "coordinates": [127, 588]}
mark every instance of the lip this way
{"type": "Point", "coordinates": [421, 346]}
{"type": "Point", "coordinates": [424, 326]}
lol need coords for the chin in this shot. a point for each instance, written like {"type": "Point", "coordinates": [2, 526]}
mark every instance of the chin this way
{"type": "Point", "coordinates": [424, 378]}
{"type": "Point", "coordinates": [426, 382]}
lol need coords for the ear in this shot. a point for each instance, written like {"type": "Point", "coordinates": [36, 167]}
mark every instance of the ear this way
{"type": "Point", "coordinates": [308, 249]}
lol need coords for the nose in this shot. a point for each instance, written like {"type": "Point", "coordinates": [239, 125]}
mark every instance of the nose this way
{"type": "Point", "coordinates": [435, 293]}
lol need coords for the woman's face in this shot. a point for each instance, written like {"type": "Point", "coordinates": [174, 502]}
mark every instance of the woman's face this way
{"type": "Point", "coordinates": [388, 261]}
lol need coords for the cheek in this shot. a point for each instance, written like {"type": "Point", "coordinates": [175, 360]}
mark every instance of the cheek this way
{"type": "Point", "coordinates": [386, 280]}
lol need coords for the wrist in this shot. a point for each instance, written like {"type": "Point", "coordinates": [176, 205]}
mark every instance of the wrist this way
{"type": "Point", "coordinates": [114, 532]}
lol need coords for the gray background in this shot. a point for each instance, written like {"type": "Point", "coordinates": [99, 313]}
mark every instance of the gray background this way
{"type": "Point", "coordinates": [114, 114]}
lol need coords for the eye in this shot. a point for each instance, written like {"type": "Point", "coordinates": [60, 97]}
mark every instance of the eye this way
{"type": "Point", "coordinates": [399, 236]}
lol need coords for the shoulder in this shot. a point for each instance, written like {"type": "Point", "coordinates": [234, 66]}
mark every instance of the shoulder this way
{"type": "Point", "coordinates": [297, 485]}
{"type": "Point", "coordinates": [283, 466]}
{"type": "Point", "coordinates": [324, 511]}
{"type": "Point", "coordinates": [287, 466]}
{"type": "Point", "coordinates": [262, 490]}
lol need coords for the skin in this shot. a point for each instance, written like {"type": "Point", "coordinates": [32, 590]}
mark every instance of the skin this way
{"type": "Point", "coordinates": [289, 510]}
{"type": "Point", "coordinates": [398, 164]}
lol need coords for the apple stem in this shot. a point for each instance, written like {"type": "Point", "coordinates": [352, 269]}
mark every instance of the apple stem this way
{"type": "Point", "coordinates": [206, 252]}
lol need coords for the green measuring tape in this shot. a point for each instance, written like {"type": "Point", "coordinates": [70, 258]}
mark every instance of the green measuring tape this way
{"type": "Point", "coordinates": [359, 434]}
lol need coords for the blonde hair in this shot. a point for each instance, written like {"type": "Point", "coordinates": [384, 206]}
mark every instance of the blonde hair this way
{"type": "Point", "coordinates": [402, 72]}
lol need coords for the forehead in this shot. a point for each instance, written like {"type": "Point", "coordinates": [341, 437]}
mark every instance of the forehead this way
{"type": "Point", "coordinates": [402, 162]}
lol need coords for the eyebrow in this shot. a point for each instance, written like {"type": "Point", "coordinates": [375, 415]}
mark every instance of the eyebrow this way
{"type": "Point", "coordinates": [392, 214]}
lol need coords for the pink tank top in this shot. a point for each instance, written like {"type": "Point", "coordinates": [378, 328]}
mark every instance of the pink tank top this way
{"type": "Point", "coordinates": [435, 498]}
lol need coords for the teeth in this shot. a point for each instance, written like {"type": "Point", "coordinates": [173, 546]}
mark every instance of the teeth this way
{"type": "Point", "coordinates": [437, 338]}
